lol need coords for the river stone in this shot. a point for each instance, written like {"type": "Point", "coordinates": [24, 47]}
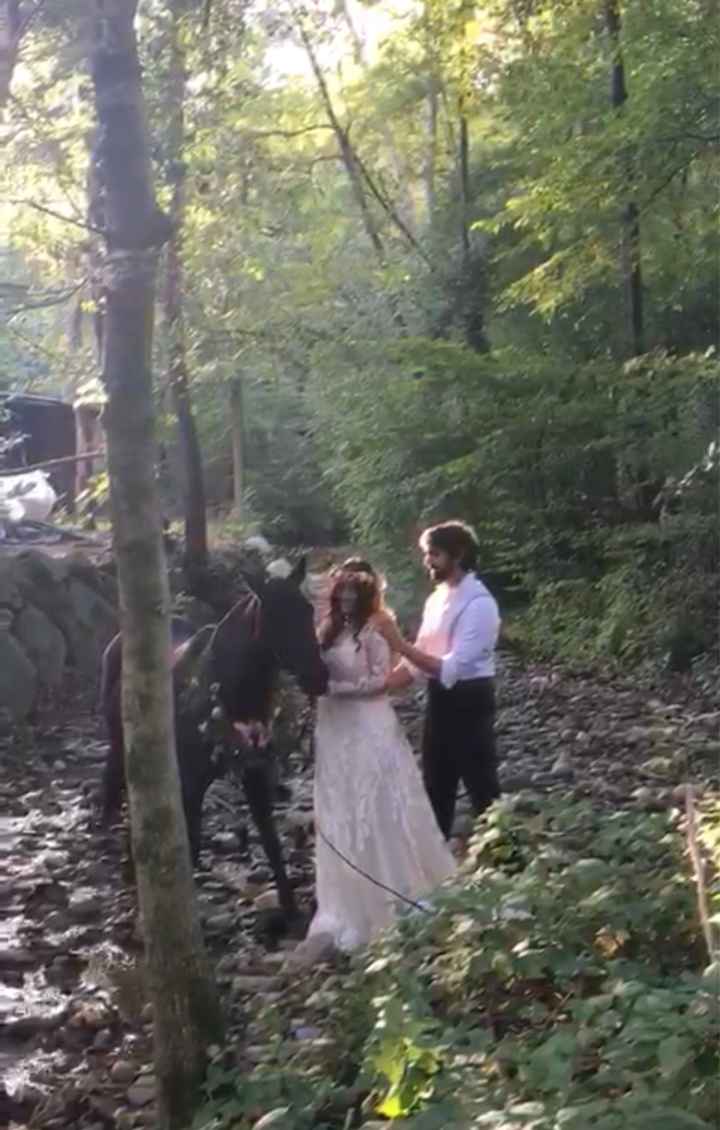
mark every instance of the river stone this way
{"type": "Point", "coordinates": [10, 595]}
{"type": "Point", "coordinates": [43, 643]}
{"type": "Point", "coordinates": [84, 905]}
{"type": "Point", "coordinates": [86, 620]}
{"type": "Point", "coordinates": [123, 1072]}
{"type": "Point", "coordinates": [97, 621]}
{"type": "Point", "coordinates": [250, 984]}
{"type": "Point", "coordinates": [18, 678]}
{"type": "Point", "coordinates": [142, 1092]}
{"type": "Point", "coordinates": [41, 581]}
{"type": "Point", "coordinates": [274, 1118]}
{"type": "Point", "coordinates": [82, 569]}
{"type": "Point", "coordinates": [267, 900]}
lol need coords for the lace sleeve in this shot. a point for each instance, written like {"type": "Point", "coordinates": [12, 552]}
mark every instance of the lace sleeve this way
{"type": "Point", "coordinates": [374, 662]}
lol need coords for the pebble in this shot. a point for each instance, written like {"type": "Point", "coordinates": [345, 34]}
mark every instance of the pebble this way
{"type": "Point", "coordinates": [300, 819]}
{"type": "Point", "coordinates": [267, 900]}
{"type": "Point", "coordinates": [123, 1072]}
{"type": "Point", "coordinates": [15, 958]}
{"type": "Point", "coordinates": [142, 1092]}
{"type": "Point", "coordinates": [608, 735]}
{"type": "Point", "coordinates": [218, 923]}
{"type": "Point", "coordinates": [92, 1015]}
{"type": "Point", "coordinates": [83, 904]}
{"type": "Point", "coordinates": [562, 767]}
{"type": "Point", "coordinates": [225, 841]}
{"type": "Point", "coordinates": [272, 1118]}
{"type": "Point", "coordinates": [252, 984]}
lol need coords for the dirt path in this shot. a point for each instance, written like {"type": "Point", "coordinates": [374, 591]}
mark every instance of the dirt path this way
{"type": "Point", "coordinates": [74, 1025]}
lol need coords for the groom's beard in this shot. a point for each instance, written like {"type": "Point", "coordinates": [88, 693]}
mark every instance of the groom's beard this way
{"type": "Point", "coordinates": [438, 575]}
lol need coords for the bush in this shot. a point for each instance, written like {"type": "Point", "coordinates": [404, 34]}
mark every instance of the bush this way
{"type": "Point", "coordinates": [559, 987]}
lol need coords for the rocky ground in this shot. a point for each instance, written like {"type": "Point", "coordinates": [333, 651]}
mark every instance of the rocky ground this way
{"type": "Point", "coordinates": [75, 1027]}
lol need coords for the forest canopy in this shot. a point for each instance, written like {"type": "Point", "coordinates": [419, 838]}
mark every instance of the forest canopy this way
{"type": "Point", "coordinates": [440, 258]}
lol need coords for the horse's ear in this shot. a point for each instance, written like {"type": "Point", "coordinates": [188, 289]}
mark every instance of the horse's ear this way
{"type": "Point", "coordinates": [299, 573]}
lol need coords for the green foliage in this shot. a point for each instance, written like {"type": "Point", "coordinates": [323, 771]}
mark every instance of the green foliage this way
{"type": "Point", "coordinates": [354, 308]}
{"type": "Point", "coordinates": [568, 471]}
{"type": "Point", "coordinates": [560, 985]}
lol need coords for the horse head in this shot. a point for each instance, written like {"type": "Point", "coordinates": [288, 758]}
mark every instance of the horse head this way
{"type": "Point", "coordinates": [266, 629]}
{"type": "Point", "coordinates": [289, 630]}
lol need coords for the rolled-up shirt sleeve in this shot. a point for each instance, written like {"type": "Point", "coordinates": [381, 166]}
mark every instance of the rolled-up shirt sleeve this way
{"type": "Point", "coordinates": [474, 640]}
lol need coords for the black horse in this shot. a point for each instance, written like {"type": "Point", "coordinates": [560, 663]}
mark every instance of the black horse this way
{"type": "Point", "coordinates": [223, 681]}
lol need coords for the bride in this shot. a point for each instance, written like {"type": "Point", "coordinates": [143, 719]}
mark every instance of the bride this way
{"type": "Point", "coordinates": [377, 843]}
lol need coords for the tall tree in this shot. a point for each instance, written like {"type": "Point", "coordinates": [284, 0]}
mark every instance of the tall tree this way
{"type": "Point", "coordinates": [186, 1010]}
{"type": "Point", "coordinates": [196, 547]}
{"type": "Point", "coordinates": [10, 31]}
{"type": "Point", "coordinates": [630, 240]}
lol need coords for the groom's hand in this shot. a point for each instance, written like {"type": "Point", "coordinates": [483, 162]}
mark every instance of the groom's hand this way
{"type": "Point", "coordinates": [399, 678]}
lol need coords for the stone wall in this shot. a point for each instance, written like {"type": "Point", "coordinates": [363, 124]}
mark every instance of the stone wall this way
{"type": "Point", "coordinates": [56, 616]}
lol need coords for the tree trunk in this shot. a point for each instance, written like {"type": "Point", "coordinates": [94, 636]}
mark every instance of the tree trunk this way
{"type": "Point", "coordinates": [630, 249]}
{"type": "Point", "coordinates": [431, 151]}
{"type": "Point", "coordinates": [464, 182]}
{"type": "Point", "coordinates": [237, 425]}
{"type": "Point", "coordinates": [186, 1011]}
{"type": "Point", "coordinates": [10, 26]}
{"type": "Point", "coordinates": [196, 542]}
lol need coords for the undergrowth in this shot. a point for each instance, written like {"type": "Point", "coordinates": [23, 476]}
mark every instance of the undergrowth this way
{"type": "Point", "coordinates": [561, 984]}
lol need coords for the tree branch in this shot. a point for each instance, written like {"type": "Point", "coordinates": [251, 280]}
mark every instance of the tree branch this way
{"type": "Point", "coordinates": [386, 205]}
{"type": "Point", "coordinates": [62, 460]}
{"type": "Point", "coordinates": [287, 133]}
{"type": "Point", "coordinates": [56, 215]}
{"type": "Point", "coordinates": [665, 182]}
{"type": "Point", "coordinates": [30, 17]}
{"type": "Point", "coordinates": [56, 299]}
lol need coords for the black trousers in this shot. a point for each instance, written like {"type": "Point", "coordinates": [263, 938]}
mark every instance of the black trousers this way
{"type": "Point", "coordinates": [459, 745]}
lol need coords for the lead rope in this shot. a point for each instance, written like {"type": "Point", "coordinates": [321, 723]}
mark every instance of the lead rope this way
{"type": "Point", "coordinates": [253, 606]}
{"type": "Point", "coordinates": [370, 879]}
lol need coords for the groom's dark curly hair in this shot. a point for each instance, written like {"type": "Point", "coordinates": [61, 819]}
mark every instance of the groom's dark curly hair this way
{"type": "Point", "coordinates": [367, 589]}
{"type": "Point", "coordinates": [456, 539]}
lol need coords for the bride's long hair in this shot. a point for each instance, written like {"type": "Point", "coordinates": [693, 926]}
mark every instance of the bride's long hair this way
{"type": "Point", "coordinates": [366, 587]}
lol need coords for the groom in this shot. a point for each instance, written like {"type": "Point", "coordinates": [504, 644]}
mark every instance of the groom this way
{"type": "Point", "coordinates": [456, 649]}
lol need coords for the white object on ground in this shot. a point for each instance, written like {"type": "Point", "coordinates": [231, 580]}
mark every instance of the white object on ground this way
{"type": "Point", "coordinates": [28, 497]}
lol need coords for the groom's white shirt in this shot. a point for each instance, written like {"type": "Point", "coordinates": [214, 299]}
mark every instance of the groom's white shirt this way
{"type": "Point", "coordinates": [460, 626]}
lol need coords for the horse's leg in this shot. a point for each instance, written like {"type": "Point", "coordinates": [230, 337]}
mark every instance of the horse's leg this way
{"type": "Point", "coordinates": [259, 797]}
{"type": "Point", "coordinates": [113, 779]}
{"type": "Point", "coordinates": [194, 788]}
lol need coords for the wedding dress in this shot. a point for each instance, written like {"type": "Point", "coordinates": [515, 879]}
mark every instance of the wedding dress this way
{"type": "Point", "coordinates": [371, 809]}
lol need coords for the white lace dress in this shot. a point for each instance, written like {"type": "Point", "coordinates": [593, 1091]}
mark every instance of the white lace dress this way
{"type": "Point", "coordinates": [370, 801]}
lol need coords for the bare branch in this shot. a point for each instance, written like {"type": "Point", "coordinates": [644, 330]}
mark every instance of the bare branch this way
{"type": "Point", "coordinates": [60, 461]}
{"type": "Point", "coordinates": [287, 133]}
{"type": "Point", "coordinates": [56, 299]}
{"type": "Point", "coordinates": [56, 215]}
{"type": "Point", "coordinates": [30, 17]}
{"type": "Point", "coordinates": [391, 211]}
